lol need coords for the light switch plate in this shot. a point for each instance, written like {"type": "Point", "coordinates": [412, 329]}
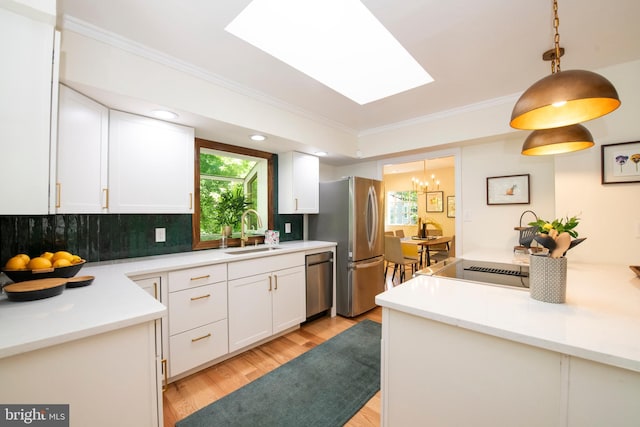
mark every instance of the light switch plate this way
{"type": "Point", "coordinates": [287, 227]}
{"type": "Point", "coordinates": [161, 235]}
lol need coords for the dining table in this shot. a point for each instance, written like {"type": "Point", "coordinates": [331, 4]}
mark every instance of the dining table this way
{"type": "Point", "coordinates": [425, 243]}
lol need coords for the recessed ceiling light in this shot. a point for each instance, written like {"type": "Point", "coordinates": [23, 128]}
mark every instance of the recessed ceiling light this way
{"type": "Point", "coordinates": [164, 114]}
{"type": "Point", "coordinates": [340, 43]}
{"type": "Point", "coordinates": [321, 153]}
{"type": "Point", "coordinates": [258, 137]}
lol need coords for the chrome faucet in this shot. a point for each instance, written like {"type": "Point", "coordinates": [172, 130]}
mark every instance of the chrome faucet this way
{"type": "Point", "coordinates": [243, 236]}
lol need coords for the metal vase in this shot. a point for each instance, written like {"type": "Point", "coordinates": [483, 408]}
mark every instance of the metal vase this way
{"type": "Point", "coordinates": [548, 278]}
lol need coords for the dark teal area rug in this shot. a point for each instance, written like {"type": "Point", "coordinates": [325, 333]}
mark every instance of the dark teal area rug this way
{"type": "Point", "coordinates": [325, 387]}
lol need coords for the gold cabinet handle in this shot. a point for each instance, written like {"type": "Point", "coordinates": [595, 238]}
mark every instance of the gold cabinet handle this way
{"type": "Point", "coordinates": [58, 189]}
{"type": "Point", "coordinates": [296, 202]}
{"type": "Point", "coordinates": [201, 277]}
{"type": "Point", "coordinates": [200, 297]}
{"type": "Point", "coordinates": [275, 277]}
{"type": "Point", "coordinates": [201, 338]}
{"type": "Point", "coordinates": [190, 201]}
{"type": "Point", "coordinates": [155, 290]}
{"type": "Point", "coordinates": [270, 284]}
{"type": "Point", "coordinates": [165, 374]}
{"type": "Point", "coordinates": [105, 191]}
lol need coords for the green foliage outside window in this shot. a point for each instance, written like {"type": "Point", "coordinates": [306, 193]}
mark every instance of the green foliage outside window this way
{"type": "Point", "coordinates": [402, 208]}
{"type": "Point", "coordinates": [220, 178]}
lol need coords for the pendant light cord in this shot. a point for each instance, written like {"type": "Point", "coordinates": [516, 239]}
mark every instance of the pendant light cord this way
{"type": "Point", "coordinates": [555, 62]}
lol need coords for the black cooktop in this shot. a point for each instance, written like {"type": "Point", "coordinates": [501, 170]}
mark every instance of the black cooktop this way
{"type": "Point", "coordinates": [494, 273]}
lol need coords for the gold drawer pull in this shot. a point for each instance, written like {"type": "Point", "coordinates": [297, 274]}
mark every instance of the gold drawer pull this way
{"type": "Point", "coordinates": [201, 338]}
{"type": "Point", "coordinates": [200, 277]}
{"type": "Point", "coordinates": [200, 297]}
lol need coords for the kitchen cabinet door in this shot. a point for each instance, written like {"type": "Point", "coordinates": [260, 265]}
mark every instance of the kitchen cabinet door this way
{"type": "Point", "coordinates": [289, 298]}
{"type": "Point", "coordinates": [153, 286]}
{"type": "Point", "coordinates": [83, 137]}
{"type": "Point", "coordinates": [298, 183]}
{"type": "Point", "coordinates": [250, 311]}
{"type": "Point", "coordinates": [150, 165]}
{"type": "Point", "coordinates": [25, 113]}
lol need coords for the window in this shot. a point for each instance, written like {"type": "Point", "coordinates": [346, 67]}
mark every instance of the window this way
{"type": "Point", "coordinates": [238, 177]}
{"type": "Point", "coordinates": [402, 208]}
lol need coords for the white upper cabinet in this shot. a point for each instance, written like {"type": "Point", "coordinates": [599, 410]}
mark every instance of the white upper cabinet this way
{"type": "Point", "coordinates": [83, 132]}
{"type": "Point", "coordinates": [150, 165]}
{"type": "Point", "coordinates": [298, 183]}
{"type": "Point", "coordinates": [27, 52]}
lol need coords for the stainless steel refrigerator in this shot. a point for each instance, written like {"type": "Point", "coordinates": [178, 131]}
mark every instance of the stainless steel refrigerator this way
{"type": "Point", "coordinates": [352, 214]}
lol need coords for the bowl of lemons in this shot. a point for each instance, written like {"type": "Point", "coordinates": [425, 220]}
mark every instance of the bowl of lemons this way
{"type": "Point", "coordinates": [64, 264]}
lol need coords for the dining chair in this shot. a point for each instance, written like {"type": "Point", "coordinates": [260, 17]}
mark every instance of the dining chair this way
{"type": "Point", "coordinates": [400, 233]}
{"type": "Point", "coordinates": [388, 233]}
{"type": "Point", "coordinates": [393, 255]}
{"type": "Point", "coordinates": [444, 251]}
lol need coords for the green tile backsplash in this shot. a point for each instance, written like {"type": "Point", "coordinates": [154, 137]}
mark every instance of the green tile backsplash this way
{"type": "Point", "coordinates": [94, 237]}
{"type": "Point", "coordinates": [103, 237]}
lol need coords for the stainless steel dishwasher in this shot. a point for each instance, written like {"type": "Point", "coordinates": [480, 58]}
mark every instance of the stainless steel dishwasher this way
{"type": "Point", "coordinates": [319, 283]}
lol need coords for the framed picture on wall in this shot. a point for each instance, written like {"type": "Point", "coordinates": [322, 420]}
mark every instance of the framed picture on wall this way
{"type": "Point", "coordinates": [508, 190]}
{"type": "Point", "coordinates": [621, 163]}
{"type": "Point", "coordinates": [451, 206]}
{"type": "Point", "coordinates": [434, 201]}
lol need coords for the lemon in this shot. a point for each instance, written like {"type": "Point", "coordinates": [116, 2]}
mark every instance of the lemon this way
{"type": "Point", "coordinates": [62, 255]}
{"type": "Point", "coordinates": [38, 263]}
{"type": "Point", "coordinates": [47, 255]}
{"type": "Point", "coordinates": [76, 259]}
{"type": "Point", "coordinates": [61, 263]}
{"type": "Point", "coordinates": [25, 258]}
{"type": "Point", "coordinates": [16, 263]}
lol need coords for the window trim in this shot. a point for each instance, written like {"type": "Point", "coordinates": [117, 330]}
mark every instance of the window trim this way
{"type": "Point", "coordinates": [197, 244]}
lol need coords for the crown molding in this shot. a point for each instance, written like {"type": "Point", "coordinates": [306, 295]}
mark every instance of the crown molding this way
{"type": "Point", "coordinates": [86, 29]}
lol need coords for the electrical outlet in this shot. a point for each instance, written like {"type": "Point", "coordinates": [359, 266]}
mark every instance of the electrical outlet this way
{"type": "Point", "coordinates": [287, 227]}
{"type": "Point", "coordinates": [161, 235]}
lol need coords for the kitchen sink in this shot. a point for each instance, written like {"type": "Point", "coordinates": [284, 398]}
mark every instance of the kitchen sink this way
{"type": "Point", "coordinates": [252, 250]}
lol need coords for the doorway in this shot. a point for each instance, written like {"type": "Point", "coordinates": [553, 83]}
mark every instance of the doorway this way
{"type": "Point", "coordinates": [423, 190]}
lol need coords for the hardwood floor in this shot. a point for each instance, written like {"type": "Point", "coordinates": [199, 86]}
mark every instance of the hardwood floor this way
{"type": "Point", "coordinates": [189, 394]}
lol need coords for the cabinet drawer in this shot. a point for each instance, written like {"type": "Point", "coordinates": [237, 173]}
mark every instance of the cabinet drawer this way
{"type": "Point", "coordinates": [191, 308]}
{"type": "Point", "coordinates": [191, 277]}
{"type": "Point", "coordinates": [197, 346]}
{"type": "Point", "coordinates": [264, 265]}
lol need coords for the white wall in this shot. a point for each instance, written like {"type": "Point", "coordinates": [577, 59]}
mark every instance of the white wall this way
{"type": "Point", "coordinates": [492, 226]}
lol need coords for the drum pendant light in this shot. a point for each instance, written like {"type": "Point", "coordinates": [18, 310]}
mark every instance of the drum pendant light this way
{"type": "Point", "coordinates": [565, 97]}
{"type": "Point", "coordinates": [557, 141]}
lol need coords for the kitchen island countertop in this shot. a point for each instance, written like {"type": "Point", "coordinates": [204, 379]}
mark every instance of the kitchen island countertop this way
{"type": "Point", "coordinates": [599, 321]}
{"type": "Point", "coordinates": [111, 302]}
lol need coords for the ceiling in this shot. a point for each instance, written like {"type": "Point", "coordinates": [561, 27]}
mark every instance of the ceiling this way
{"type": "Point", "coordinates": [475, 51]}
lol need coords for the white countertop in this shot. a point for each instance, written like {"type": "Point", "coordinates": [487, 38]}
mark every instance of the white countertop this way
{"type": "Point", "coordinates": [111, 302]}
{"type": "Point", "coordinates": [600, 320]}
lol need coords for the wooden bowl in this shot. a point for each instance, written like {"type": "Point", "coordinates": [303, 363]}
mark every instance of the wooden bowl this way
{"type": "Point", "coordinates": [31, 290]}
{"type": "Point", "coordinates": [80, 281]}
{"type": "Point", "coordinates": [45, 273]}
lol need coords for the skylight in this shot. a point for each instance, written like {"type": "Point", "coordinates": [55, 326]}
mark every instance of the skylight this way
{"type": "Point", "coordinates": [336, 42]}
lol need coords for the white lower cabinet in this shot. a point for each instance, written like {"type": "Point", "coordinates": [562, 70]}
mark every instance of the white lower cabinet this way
{"type": "Point", "coordinates": [267, 302]}
{"type": "Point", "coordinates": [221, 308]}
{"type": "Point", "coordinates": [197, 317]}
{"type": "Point", "coordinates": [108, 379]}
{"type": "Point", "coordinates": [153, 286]}
{"type": "Point", "coordinates": [197, 346]}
